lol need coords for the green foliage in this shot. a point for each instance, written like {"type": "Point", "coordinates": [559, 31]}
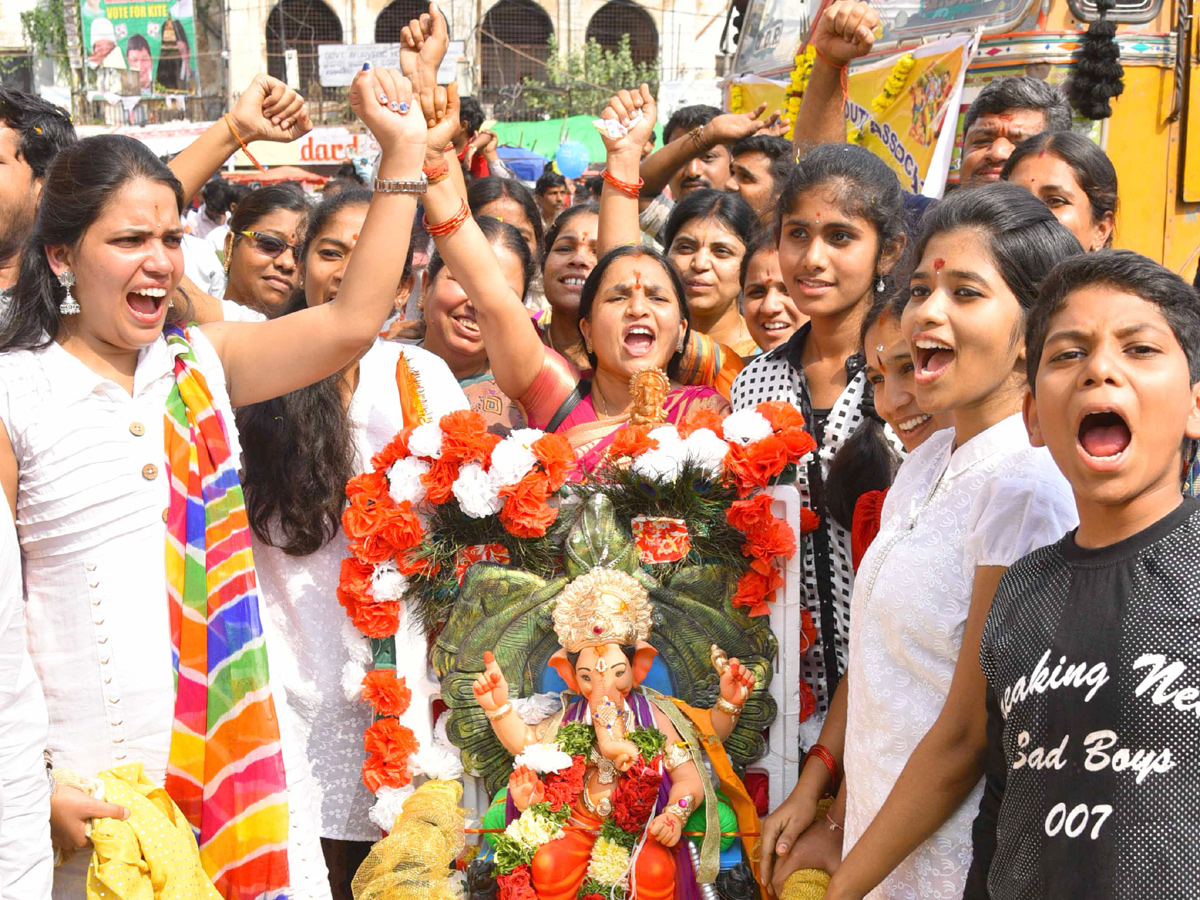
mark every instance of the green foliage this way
{"type": "Point", "coordinates": [612, 832]}
{"type": "Point", "coordinates": [45, 30]}
{"type": "Point", "coordinates": [547, 812]}
{"type": "Point", "coordinates": [510, 854]}
{"type": "Point", "coordinates": [576, 739]}
{"type": "Point", "coordinates": [694, 497]}
{"type": "Point", "coordinates": [581, 81]}
{"type": "Point", "coordinates": [592, 886]}
{"type": "Point", "coordinates": [649, 741]}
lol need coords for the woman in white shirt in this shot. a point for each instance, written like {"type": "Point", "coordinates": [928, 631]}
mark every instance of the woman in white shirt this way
{"type": "Point", "coordinates": [908, 721]}
{"type": "Point", "coordinates": [298, 452]}
{"type": "Point", "coordinates": [85, 376]}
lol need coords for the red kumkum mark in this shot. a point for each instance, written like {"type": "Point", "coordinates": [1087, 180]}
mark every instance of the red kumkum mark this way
{"type": "Point", "coordinates": [938, 265]}
{"type": "Point", "coordinates": [637, 279]}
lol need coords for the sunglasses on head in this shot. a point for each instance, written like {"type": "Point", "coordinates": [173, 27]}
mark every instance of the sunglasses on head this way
{"type": "Point", "coordinates": [270, 245]}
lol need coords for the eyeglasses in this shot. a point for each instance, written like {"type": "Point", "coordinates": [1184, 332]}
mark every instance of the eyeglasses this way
{"type": "Point", "coordinates": [270, 245]}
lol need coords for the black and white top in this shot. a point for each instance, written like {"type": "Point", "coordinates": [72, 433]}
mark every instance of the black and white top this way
{"type": "Point", "coordinates": [1093, 666]}
{"type": "Point", "coordinates": [828, 567]}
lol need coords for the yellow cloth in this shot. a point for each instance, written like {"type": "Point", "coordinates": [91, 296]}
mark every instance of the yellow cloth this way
{"type": "Point", "coordinates": [152, 855]}
{"type": "Point", "coordinates": [731, 785]}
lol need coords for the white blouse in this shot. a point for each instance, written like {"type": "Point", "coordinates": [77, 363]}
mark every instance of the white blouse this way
{"type": "Point", "coordinates": [309, 627]}
{"type": "Point", "coordinates": [26, 860]}
{"type": "Point", "coordinates": [91, 517]}
{"type": "Point", "coordinates": [988, 503]}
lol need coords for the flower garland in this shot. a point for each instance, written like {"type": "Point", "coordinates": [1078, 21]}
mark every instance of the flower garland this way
{"type": "Point", "coordinates": [750, 448]}
{"type": "Point", "coordinates": [886, 98]}
{"type": "Point", "coordinates": [736, 99]}
{"type": "Point", "coordinates": [798, 85]}
{"type": "Point", "coordinates": [453, 461]}
{"type": "Point", "coordinates": [561, 766]}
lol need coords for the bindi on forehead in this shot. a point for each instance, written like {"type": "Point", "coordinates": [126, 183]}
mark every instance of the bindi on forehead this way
{"type": "Point", "coordinates": [938, 265]}
{"type": "Point", "coordinates": [637, 279]}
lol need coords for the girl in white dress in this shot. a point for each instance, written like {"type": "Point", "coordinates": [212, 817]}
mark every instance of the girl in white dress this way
{"type": "Point", "coordinates": [86, 374]}
{"type": "Point", "coordinates": [908, 722]}
{"type": "Point", "coordinates": [298, 452]}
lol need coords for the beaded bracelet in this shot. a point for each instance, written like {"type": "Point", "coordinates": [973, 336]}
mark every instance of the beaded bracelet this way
{"type": "Point", "coordinates": [628, 188]}
{"type": "Point", "coordinates": [826, 757]}
{"type": "Point", "coordinates": [451, 225]}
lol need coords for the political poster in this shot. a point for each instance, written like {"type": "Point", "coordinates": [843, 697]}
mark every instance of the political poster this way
{"type": "Point", "coordinates": [902, 124]}
{"type": "Point", "coordinates": [154, 43]}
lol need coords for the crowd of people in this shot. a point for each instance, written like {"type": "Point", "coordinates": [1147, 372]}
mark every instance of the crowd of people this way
{"type": "Point", "coordinates": [1005, 410]}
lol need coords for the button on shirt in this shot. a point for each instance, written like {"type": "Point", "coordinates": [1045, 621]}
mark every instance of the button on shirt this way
{"type": "Point", "coordinates": [90, 521]}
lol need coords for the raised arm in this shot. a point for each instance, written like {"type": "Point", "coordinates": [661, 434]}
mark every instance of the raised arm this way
{"type": "Point", "coordinates": [729, 128]}
{"type": "Point", "coordinates": [941, 772]}
{"type": "Point", "coordinates": [266, 359]}
{"type": "Point", "coordinates": [623, 141]}
{"type": "Point", "coordinates": [268, 110]}
{"type": "Point", "coordinates": [845, 31]}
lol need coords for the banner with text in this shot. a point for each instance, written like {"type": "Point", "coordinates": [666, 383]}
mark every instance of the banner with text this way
{"type": "Point", "coordinates": [154, 43]}
{"type": "Point", "coordinates": [902, 128]}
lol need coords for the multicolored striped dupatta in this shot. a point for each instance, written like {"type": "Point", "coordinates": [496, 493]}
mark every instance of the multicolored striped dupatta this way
{"type": "Point", "coordinates": [226, 766]}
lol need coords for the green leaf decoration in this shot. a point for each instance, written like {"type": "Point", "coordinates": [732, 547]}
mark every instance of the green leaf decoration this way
{"type": "Point", "coordinates": [649, 741]}
{"type": "Point", "coordinates": [576, 739]}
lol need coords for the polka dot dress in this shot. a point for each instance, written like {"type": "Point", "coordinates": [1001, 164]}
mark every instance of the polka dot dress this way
{"type": "Point", "coordinates": [828, 581]}
{"type": "Point", "coordinates": [1093, 665]}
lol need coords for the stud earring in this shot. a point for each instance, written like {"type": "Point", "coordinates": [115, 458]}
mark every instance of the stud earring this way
{"type": "Point", "coordinates": [69, 305]}
{"type": "Point", "coordinates": [880, 285]}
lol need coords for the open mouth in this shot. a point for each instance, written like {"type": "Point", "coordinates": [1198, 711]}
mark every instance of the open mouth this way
{"type": "Point", "coordinates": [147, 304]}
{"type": "Point", "coordinates": [933, 358]}
{"type": "Point", "coordinates": [1104, 436]}
{"type": "Point", "coordinates": [574, 282]}
{"type": "Point", "coordinates": [466, 326]}
{"type": "Point", "coordinates": [908, 426]}
{"type": "Point", "coordinates": [639, 340]}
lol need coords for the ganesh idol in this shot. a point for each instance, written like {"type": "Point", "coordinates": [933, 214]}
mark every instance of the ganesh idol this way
{"type": "Point", "coordinates": [633, 782]}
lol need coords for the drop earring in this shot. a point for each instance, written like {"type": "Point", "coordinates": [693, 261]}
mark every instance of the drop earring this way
{"type": "Point", "coordinates": [880, 284]}
{"type": "Point", "coordinates": [69, 305]}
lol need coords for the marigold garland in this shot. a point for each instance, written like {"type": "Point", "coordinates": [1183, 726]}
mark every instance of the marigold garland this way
{"type": "Point", "coordinates": [886, 98]}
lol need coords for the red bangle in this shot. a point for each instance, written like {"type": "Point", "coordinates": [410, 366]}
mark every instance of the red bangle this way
{"type": "Point", "coordinates": [625, 187]}
{"type": "Point", "coordinates": [441, 229]}
{"type": "Point", "coordinates": [826, 757]}
{"type": "Point", "coordinates": [437, 171]}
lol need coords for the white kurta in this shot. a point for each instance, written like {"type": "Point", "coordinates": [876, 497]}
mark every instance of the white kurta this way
{"type": "Point", "coordinates": [26, 860]}
{"type": "Point", "coordinates": [308, 627]}
{"type": "Point", "coordinates": [988, 503]}
{"type": "Point", "coordinates": [91, 518]}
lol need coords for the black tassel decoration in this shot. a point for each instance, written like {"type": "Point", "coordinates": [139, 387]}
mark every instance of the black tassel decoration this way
{"type": "Point", "coordinates": [1098, 75]}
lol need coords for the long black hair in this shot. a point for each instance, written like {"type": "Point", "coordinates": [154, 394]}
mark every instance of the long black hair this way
{"type": "Point", "coordinates": [591, 287]}
{"type": "Point", "coordinates": [298, 449]}
{"type": "Point", "coordinates": [81, 181]}
{"type": "Point", "coordinates": [485, 190]}
{"type": "Point", "coordinates": [1093, 169]}
{"type": "Point", "coordinates": [1022, 236]}
{"type": "Point", "coordinates": [262, 202]}
{"type": "Point", "coordinates": [730, 209]}
{"type": "Point", "coordinates": [867, 461]}
{"type": "Point", "coordinates": [862, 183]}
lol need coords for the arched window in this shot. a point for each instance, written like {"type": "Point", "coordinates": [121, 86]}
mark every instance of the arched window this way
{"type": "Point", "coordinates": [620, 17]}
{"type": "Point", "coordinates": [514, 41]}
{"type": "Point", "coordinates": [395, 16]}
{"type": "Point", "coordinates": [300, 25]}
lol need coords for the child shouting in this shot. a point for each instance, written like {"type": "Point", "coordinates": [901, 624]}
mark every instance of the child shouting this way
{"type": "Point", "coordinates": [1090, 649]}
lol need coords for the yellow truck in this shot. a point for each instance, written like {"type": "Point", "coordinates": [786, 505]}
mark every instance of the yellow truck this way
{"type": "Point", "coordinates": [1153, 136]}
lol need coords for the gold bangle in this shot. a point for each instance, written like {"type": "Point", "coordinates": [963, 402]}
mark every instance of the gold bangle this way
{"type": "Point", "coordinates": [730, 709]}
{"type": "Point", "coordinates": [497, 714]}
{"type": "Point", "coordinates": [675, 754]}
{"type": "Point", "coordinates": [682, 810]}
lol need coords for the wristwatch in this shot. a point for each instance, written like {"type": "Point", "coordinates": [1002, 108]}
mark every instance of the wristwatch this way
{"type": "Point", "coordinates": [397, 186]}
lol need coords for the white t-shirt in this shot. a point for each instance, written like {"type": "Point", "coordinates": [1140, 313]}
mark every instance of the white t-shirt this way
{"type": "Point", "coordinates": [203, 266]}
{"type": "Point", "coordinates": [91, 518]}
{"type": "Point", "coordinates": [988, 503]}
{"type": "Point", "coordinates": [309, 629]}
{"type": "Point", "coordinates": [26, 858]}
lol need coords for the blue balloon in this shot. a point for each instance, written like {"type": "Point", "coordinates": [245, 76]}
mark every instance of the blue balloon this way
{"type": "Point", "coordinates": [572, 159]}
